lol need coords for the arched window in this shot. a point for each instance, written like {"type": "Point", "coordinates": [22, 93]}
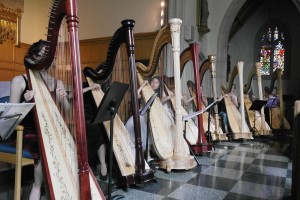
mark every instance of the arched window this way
{"type": "Point", "coordinates": [273, 48]}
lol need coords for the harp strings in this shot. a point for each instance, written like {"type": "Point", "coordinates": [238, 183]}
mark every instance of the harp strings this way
{"type": "Point", "coordinates": [62, 73]}
{"type": "Point", "coordinates": [121, 74]}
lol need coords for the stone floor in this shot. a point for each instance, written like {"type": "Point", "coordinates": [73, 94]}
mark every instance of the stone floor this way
{"type": "Point", "coordinates": [250, 169]}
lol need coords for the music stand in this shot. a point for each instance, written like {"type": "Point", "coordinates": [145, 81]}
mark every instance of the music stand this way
{"type": "Point", "coordinates": [192, 115]}
{"type": "Point", "coordinates": [107, 111]}
{"type": "Point", "coordinates": [257, 105]}
{"type": "Point", "coordinates": [145, 109]}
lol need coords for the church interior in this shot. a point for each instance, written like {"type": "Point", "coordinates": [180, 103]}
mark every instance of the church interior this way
{"type": "Point", "coordinates": [156, 99]}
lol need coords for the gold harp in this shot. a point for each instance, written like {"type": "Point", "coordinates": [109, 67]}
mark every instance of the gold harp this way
{"type": "Point", "coordinates": [235, 117]}
{"type": "Point", "coordinates": [256, 120]}
{"type": "Point", "coordinates": [277, 119]}
{"type": "Point", "coordinates": [164, 131]}
{"type": "Point", "coordinates": [132, 168]}
{"type": "Point", "coordinates": [162, 136]}
{"type": "Point", "coordinates": [63, 149]}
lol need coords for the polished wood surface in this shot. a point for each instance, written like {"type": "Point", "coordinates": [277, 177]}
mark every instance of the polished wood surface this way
{"type": "Point", "coordinates": [162, 128]}
{"type": "Point", "coordinates": [63, 150]}
{"type": "Point", "coordinates": [103, 74]}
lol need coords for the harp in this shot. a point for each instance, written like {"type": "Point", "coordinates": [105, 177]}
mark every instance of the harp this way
{"type": "Point", "coordinates": [212, 67]}
{"type": "Point", "coordinates": [276, 115]}
{"type": "Point", "coordinates": [191, 53]}
{"type": "Point", "coordinates": [180, 159]}
{"type": "Point", "coordinates": [256, 120]}
{"type": "Point", "coordinates": [235, 117]}
{"type": "Point", "coordinates": [63, 149]}
{"type": "Point", "coordinates": [208, 64]}
{"type": "Point", "coordinates": [163, 133]}
{"type": "Point", "coordinates": [132, 168]}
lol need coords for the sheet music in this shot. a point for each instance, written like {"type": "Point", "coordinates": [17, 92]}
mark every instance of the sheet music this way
{"type": "Point", "coordinates": [272, 102]}
{"type": "Point", "coordinates": [11, 114]}
{"type": "Point", "coordinates": [187, 117]}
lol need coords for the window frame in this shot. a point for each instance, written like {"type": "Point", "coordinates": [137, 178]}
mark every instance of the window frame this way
{"type": "Point", "coordinates": [257, 47]}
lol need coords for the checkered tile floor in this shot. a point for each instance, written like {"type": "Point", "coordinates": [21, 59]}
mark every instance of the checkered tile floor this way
{"type": "Point", "coordinates": [253, 169]}
{"type": "Point", "coordinates": [244, 170]}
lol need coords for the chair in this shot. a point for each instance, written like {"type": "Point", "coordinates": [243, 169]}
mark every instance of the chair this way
{"type": "Point", "coordinates": [17, 156]}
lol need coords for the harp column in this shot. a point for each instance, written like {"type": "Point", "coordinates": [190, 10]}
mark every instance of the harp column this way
{"type": "Point", "coordinates": [260, 96]}
{"type": "Point", "coordinates": [244, 131]}
{"type": "Point", "coordinates": [179, 160]}
{"type": "Point", "coordinates": [218, 134]}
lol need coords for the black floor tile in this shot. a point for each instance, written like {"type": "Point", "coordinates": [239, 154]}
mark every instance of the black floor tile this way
{"type": "Point", "coordinates": [243, 153]}
{"type": "Point", "coordinates": [215, 182]}
{"type": "Point", "coordinates": [201, 168]}
{"type": "Point", "coordinates": [263, 179]}
{"type": "Point", "coordinates": [231, 165]}
{"type": "Point", "coordinates": [234, 196]}
{"type": "Point", "coordinates": [168, 198]}
{"type": "Point", "coordinates": [162, 187]}
{"type": "Point", "coordinates": [270, 163]}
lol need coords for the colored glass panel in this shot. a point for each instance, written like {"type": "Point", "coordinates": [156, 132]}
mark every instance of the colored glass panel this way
{"type": "Point", "coordinates": [272, 51]}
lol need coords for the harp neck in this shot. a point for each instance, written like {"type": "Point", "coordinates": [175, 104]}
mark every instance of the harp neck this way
{"type": "Point", "coordinates": [251, 74]}
{"type": "Point", "coordinates": [227, 89]}
{"type": "Point", "coordinates": [163, 38]}
{"type": "Point", "coordinates": [123, 35]}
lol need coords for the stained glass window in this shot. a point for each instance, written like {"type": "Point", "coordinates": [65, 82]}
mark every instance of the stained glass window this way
{"type": "Point", "coordinates": [272, 50]}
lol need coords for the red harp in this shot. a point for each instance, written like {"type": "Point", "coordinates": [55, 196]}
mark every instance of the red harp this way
{"type": "Point", "coordinates": [191, 53]}
{"type": "Point", "coordinates": [63, 150]}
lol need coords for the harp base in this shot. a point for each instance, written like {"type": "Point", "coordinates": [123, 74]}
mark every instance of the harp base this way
{"type": "Point", "coordinates": [178, 162]}
{"type": "Point", "coordinates": [143, 177]}
{"type": "Point", "coordinates": [219, 136]}
{"type": "Point", "coordinates": [262, 132]}
{"type": "Point", "coordinates": [281, 131]}
{"type": "Point", "coordinates": [246, 135]}
{"type": "Point", "coordinates": [201, 148]}
{"type": "Point", "coordinates": [137, 178]}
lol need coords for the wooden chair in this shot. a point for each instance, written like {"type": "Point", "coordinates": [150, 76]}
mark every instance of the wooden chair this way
{"type": "Point", "coordinates": [18, 157]}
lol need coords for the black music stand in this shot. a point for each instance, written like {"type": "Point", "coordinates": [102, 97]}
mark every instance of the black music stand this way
{"type": "Point", "coordinates": [145, 109]}
{"type": "Point", "coordinates": [107, 111]}
{"type": "Point", "coordinates": [192, 115]}
{"type": "Point", "coordinates": [257, 105]}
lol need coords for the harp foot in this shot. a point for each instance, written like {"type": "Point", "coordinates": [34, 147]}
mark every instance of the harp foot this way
{"type": "Point", "coordinates": [143, 177]}
{"type": "Point", "coordinates": [246, 135]}
{"type": "Point", "coordinates": [199, 149]}
{"type": "Point", "coordinates": [178, 162]}
{"type": "Point", "coordinates": [219, 136]}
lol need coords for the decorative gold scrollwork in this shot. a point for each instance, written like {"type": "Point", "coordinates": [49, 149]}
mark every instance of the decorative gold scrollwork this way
{"type": "Point", "coordinates": [9, 24]}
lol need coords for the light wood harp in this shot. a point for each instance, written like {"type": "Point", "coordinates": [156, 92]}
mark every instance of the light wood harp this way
{"type": "Point", "coordinates": [256, 119]}
{"type": "Point", "coordinates": [236, 118]}
{"type": "Point", "coordinates": [276, 115]}
{"type": "Point", "coordinates": [167, 136]}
